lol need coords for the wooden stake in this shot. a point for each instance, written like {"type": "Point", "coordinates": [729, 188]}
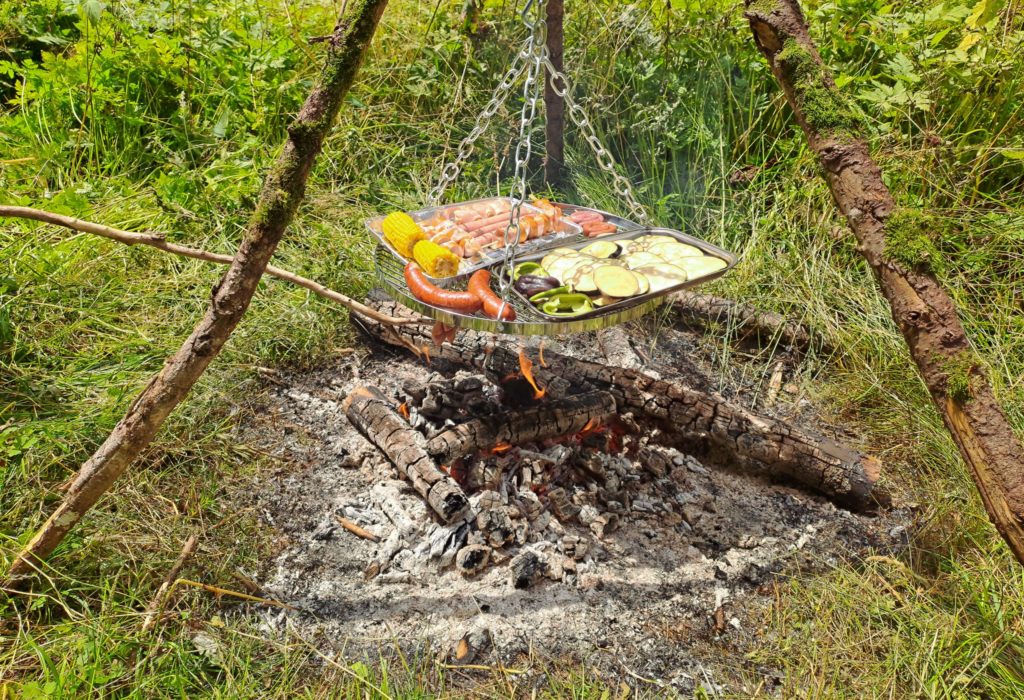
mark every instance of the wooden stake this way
{"type": "Point", "coordinates": [554, 105]}
{"type": "Point", "coordinates": [920, 307]}
{"type": "Point", "coordinates": [283, 189]}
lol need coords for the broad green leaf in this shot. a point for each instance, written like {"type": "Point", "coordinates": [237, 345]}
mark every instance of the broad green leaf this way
{"type": "Point", "coordinates": [1013, 153]}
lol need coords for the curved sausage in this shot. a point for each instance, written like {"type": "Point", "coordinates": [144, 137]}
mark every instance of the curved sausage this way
{"type": "Point", "coordinates": [425, 290]}
{"type": "Point", "coordinates": [480, 285]}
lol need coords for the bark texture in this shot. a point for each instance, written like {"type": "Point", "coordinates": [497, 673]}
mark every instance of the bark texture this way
{"type": "Point", "coordinates": [550, 419]}
{"type": "Point", "coordinates": [554, 105]}
{"type": "Point", "coordinates": [921, 309]}
{"type": "Point", "coordinates": [282, 191]}
{"type": "Point", "coordinates": [375, 417]}
{"type": "Point", "coordinates": [727, 430]}
{"type": "Point", "coordinates": [764, 326]}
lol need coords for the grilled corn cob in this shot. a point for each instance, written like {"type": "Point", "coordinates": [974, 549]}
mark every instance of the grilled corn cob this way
{"type": "Point", "coordinates": [402, 232]}
{"type": "Point", "coordinates": [435, 260]}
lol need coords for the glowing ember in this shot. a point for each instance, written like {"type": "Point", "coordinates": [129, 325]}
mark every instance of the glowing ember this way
{"type": "Point", "coordinates": [526, 367]}
{"type": "Point", "coordinates": [501, 447]}
{"type": "Point", "coordinates": [403, 408]}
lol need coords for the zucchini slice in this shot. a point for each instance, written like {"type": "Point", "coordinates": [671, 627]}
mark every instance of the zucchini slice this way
{"type": "Point", "coordinates": [662, 276]}
{"type": "Point", "coordinates": [635, 260]}
{"type": "Point", "coordinates": [616, 282]}
{"type": "Point", "coordinates": [673, 250]}
{"type": "Point", "coordinates": [601, 249]}
{"type": "Point", "coordinates": [645, 284]}
{"type": "Point", "coordinates": [702, 266]}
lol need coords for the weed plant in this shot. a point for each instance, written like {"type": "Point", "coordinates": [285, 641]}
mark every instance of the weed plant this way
{"type": "Point", "coordinates": [163, 115]}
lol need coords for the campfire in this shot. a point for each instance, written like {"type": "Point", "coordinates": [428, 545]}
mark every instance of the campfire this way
{"type": "Point", "coordinates": [500, 492]}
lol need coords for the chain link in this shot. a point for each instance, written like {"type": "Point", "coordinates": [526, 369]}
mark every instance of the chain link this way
{"type": "Point", "coordinates": [499, 96]}
{"type": "Point", "coordinates": [605, 160]}
{"type": "Point", "coordinates": [533, 60]}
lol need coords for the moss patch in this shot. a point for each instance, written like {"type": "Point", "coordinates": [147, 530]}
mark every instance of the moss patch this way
{"type": "Point", "coordinates": [909, 242]}
{"type": "Point", "coordinates": [824, 108]}
{"type": "Point", "coordinates": [958, 376]}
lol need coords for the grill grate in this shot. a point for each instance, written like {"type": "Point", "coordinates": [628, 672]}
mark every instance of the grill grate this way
{"type": "Point", "coordinates": [391, 275]}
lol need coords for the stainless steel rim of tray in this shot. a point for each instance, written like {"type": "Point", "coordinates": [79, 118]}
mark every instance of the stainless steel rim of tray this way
{"type": "Point", "coordinates": [391, 275]}
{"type": "Point", "coordinates": [529, 321]}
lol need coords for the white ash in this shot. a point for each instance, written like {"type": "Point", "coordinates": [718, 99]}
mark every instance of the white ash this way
{"type": "Point", "coordinates": [569, 550]}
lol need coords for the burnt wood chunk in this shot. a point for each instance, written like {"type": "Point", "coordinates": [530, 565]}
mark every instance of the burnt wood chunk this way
{"type": "Point", "coordinates": [375, 417]}
{"type": "Point", "coordinates": [550, 419]}
{"type": "Point", "coordinates": [685, 415]}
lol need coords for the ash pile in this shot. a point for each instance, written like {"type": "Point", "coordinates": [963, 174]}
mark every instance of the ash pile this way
{"type": "Point", "coordinates": [602, 546]}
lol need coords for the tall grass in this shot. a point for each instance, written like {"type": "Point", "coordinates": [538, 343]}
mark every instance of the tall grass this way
{"type": "Point", "coordinates": [163, 116]}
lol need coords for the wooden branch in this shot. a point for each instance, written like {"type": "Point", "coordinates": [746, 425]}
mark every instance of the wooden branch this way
{"type": "Point", "coordinates": [283, 188]}
{"type": "Point", "coordinates": [554, 104]}
{"type": "Point", "coordinates": [734, 434]}
{"type": "Point", "coordinates": [159, 601]}
{"type": "Point", "coordinates": [766, 326]}
{"type": "Point", "coordinates": [157, 240]}
{"type": "Point", "coordinates": [921, 309]}
{"type": "Point", "coordinates": [550, 419]}
{"type": "Point", "coordinates": [375, 417]}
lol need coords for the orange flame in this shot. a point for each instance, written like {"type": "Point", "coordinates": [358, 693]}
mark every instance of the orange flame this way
{"type": "Point", "coordinates": [540, 355]}
{"type": "Point", "coordinates": [526, 367]}
{"type": "Point", "coordinates": [501, 447]}
{"type": "Point", "coordinates": [403, 408]}
{"type": "Point", "coordinates": [426, 353]}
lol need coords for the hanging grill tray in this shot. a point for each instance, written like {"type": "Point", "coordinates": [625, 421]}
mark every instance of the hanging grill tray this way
{"type": "Point", "coordinates": [530, 321]}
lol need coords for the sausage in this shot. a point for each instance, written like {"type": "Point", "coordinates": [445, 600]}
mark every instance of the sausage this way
{"type": "Point", "coordinates": [480, 285]}
{"type": "Point", "coordinates": [425, 290]}
{"type": "Point", "coordinates": [583, 216]}
{"type": "Point", "coordinates": [596, 228]}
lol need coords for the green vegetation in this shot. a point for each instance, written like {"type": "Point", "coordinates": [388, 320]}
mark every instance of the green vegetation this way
{"type": "Point", "coordinates": [958, 376]}
{"type": "Point", "coordinates": [824, 108]}
{"type": "Point", "coordinates": [909, 240]}
{"type": "Point", "coordinates": [163, 116]}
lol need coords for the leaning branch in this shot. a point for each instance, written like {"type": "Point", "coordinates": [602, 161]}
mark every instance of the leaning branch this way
{"type": "Point", "coordinates": [157, 240]}
{"type": "Point", "coordinates": [887, 239]}
{"type": "Point", "coordinates": [284, 187]}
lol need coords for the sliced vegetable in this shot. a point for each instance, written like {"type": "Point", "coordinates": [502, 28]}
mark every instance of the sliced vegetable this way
{"type": "Point", "coordinates": [615, 281]}
{"type": "Point", "coordinates": [602, 249]}
{"type": "Point", "coordinates": [662, 276]}
{"type": "Point", "coordinates": [567, 305]}
{"type": "Point", "coordinates": [543, 296]}
{"type": "Point", "coordinates": [642, 259]}
{"type": "Point", "coordinates": [528, 268]}
{"type": "Point", "coordinates": [702, 266]}
{"type": "Point", "coordinates": [641, 278]}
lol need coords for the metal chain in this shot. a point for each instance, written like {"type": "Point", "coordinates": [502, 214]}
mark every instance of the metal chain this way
{"type": "Point", "coordinates": [605, 160]}
{"type": "Point", "coordinates": [536, 46]}
{"type": "Point", "coordinates": [499, 96]}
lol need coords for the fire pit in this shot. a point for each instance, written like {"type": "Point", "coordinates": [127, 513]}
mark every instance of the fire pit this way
{"type": "Point", "coordinates": [507, 499]}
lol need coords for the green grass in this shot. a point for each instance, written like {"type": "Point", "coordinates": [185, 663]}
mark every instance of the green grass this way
{"type": "Point", "coordinates": [163, 117]}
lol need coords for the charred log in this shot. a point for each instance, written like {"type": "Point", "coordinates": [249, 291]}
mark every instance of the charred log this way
{"type": "Point", "coordinates": [737, 435]}
{"type": "Point", "coordinates": [550, 419]}
{"type": "Point", "coordinates": [373, 415]}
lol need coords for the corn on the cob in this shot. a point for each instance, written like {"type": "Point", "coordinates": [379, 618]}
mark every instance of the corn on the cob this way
{"type": "Point", "coordinates": [435, 260]}
{"type": "Point", "coordinates": [402, 232]}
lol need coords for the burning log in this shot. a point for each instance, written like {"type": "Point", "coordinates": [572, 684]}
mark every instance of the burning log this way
{"type": "Point", "coordinates": [558, 417]}
{"type": "Point", "coordinates": [735, 434]}
{"type": "Point", "coordinates": [372, 413]}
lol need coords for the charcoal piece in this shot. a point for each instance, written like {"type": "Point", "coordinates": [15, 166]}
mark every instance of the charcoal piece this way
{"type": "Point", "coordinates": [527, 568]}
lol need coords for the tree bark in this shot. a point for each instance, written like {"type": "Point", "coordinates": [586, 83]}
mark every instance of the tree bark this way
{"type": "Point", "coordinates": [554, 105]}
{"type": "Point", "coordinates": [733, 434]}
{"type": "Point", "coordinates": [283, 189]}
{"type": "Point", "coordinates": [920, 307]}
